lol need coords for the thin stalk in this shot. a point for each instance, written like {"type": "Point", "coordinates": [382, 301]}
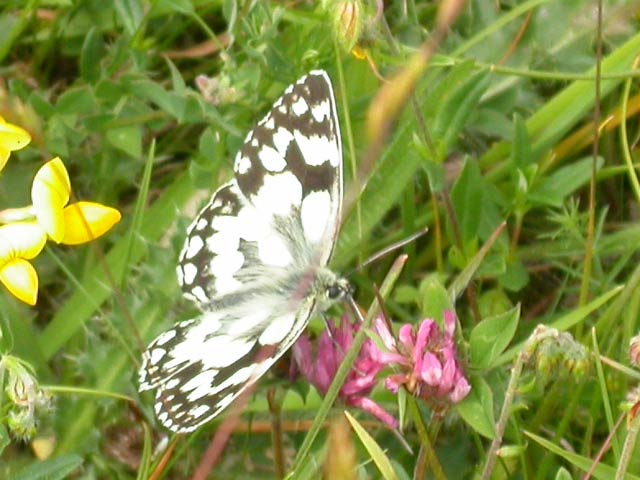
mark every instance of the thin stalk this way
{"type": "Point", "coordinates": [628, 448]}
{"type": "Point", "coordinates": [427, 458]}
{"type": "Point", "coordinates": [626, 154]}
{"type": "Point", "coordinates": [589, 244]}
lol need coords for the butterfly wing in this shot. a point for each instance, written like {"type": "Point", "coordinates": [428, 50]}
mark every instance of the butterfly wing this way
{"type": "Point", "coordinates": [252, 258]}
{"type": "Point", "coordinates": [291, 163]}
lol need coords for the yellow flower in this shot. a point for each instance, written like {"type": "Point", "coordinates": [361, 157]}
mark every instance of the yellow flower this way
{"type": "Point", "coordinates": [19, 242]}
{"type": "Point", "coordinates": [74, 224]}
{"type": "Point", "coordinates": [86, 221]}
{"type": "Point", "coordinates": [50, 193]}
{"type": "Point", "coordinates": [12, 138]}
{"type": "Point", "coordinates": [24, 237]}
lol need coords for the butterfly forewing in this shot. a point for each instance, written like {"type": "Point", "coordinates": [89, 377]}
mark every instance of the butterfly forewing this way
{"type": "Point", "coordinates": [254, 259]}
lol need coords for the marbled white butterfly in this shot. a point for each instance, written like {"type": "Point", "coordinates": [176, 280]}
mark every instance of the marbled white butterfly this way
{"type": "Point", "coordinates": [255, 260]}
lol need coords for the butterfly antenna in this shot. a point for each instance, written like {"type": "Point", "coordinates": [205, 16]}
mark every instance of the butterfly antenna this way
{"type": "Point", "coordinates": [390, 248]}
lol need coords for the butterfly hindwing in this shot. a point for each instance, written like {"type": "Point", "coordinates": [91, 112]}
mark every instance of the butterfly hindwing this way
{"type": "Point", "coordinates": [254, 259]}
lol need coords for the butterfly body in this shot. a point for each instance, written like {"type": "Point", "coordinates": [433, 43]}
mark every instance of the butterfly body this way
{"type": "Point", "coordinates": [255, 260]}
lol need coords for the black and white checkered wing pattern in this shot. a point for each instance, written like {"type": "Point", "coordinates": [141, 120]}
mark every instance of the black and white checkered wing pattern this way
{"type": "Point", "coordinates": [254, 259]}
{"type": "Point", "coordinates": [289, 167]}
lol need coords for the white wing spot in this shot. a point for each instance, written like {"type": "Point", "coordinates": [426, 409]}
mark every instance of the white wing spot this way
{"type": "Point", "coordinates": [277, 330]}
{"type": "Point", "coordinates": [314, 214]}
{"type": "Point", "coordinates": [200, 385]}
{"type": "Point", "coordinates": [299, 106]}
{"type": "Point", "coordinates": [198, 294]}
{"type": "Point", "coordinates": [241, 376]}
{"type": "Point", "coordinates": [157, 354]}
{"type": "Point", "coordinates": [271, 159]}
{"type": "Point", "coordinates": [321, 110]}
{"type": "Point", "coordinates": [215, 352]}
{"type": "Point", "coordinates": [282, 139]}
{"type": "Point", "coordinates": [189, 272]}
{"type": "Point", "coordinates": [165, 337]}
{"type": "Point", "coordinates": [193, 247]}
{"type": "Point", "coordinates": [250, 322]}
{"type": "Point", "coordinates": [201, 224]}
{"type": "Point", "coordinates": [223, 241]}
{"type": "Point", "coordinates": [224, 285]}
{"type": "Point", "coordinates": [269, 123]}
{"type": "Point", "coordinates": [173, 383]}
{"type": "Point", "coordinates": [226, 265]}
{"type": "Point", "coordinates": [199, 411]}
{"type": "Point", "coordinates": [317, 149]}
{"type": "Point", "coordinates": [279, 193]}
{"type": "Point", "coordinates": [243, 164]}
{"type": "Point", "coordinates": [273, 251]}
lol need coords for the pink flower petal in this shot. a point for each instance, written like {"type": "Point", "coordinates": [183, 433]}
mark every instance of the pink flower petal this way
{"type": "Point", "coordinates": [426, 330]}
{"type": "Point", "coordinates": [449, 374]}
{"type": "Point", "coordinates": [361, 386]}
{"type": "Point", "coordinates": [431, 372]}
{"type": "Point", "coordinates": [460, 391]}
{"type": "Point", "coordinates": [385, 335]}
{"type": "Point", "coordinates": [374, 409]}
{"type": "Point", "coordinates": [393, 382]}
{"type": "Point", "coordinates": [449, 323]}
{"type": "Point", "coordinates": [391, 358]}
{"type": "Point", "coordinates": [406, 338]}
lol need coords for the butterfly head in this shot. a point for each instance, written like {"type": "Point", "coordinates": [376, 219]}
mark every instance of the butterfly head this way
{"type": "Point", "coordinates": [330, 289]}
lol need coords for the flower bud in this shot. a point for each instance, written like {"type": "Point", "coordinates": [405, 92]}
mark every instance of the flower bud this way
{"type": "Point", "coordinates": [346, 16]}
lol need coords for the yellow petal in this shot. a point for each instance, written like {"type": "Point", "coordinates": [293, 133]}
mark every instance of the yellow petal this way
{"type": "Point", "coordinates": [86, 221]}
{"type": "Point", "coordinates": [21, 280]}
{"type": "Point", "coordinates": [4, 156]}
{"type": "Point", "coordinates": [49, 194]}
{"type": "Point", "coordinates": [21, 240]}
{"type": "Point", "coordinates": [13, 137]}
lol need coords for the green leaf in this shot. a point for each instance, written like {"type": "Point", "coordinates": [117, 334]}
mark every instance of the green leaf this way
{"type": "Point", "coordinates": [563, 474]}
{"type": "Point", "coordinates": [477, 408]}
{"type": "Point", "coordinates": [90, 56]}
{"type": "Point", "coordinates": [554, 189]}
{"type": "Point", "coordinates": [127, 139]}
{"type": "Point", "coordinates": [130, 13]}
{"type": "Point", "coordinates": [515, 277]}
{"type": "Point", "coordinates": [457, 107]}
{"type": "Point", "coordinates": [53, 469]}
{"type": "Point", "coordinates": [184, 7]}
{"type": "Point", "coordinates": [600, 470]}
{"type": "Point", "coordinates": [491, 336]}
{"type": "Point", "coordinates": [170, 103]}
{"type": "Point", "coordinates": [434, 299]}
{"type": "Point", "coordinates": [77, 101]}
{"type": "Point", "coordinates": [375, 451]}
{"type": "Point", "coordinates": [521, 149]}
{"type": "Point", "coordinates": [177, 82]}
{"type": "Point", "coordinates": [4, 437]}
{"type": "Point", "coordinates": [493, 302]}
{"type": "Point", "coordinates": [467, 196]}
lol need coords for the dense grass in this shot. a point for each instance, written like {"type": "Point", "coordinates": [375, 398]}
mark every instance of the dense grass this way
{"type": "Point", "coordinates": [498, 129]}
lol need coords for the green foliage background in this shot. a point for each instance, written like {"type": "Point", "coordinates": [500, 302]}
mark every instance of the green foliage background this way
{"type": "Point", "coordinates": [506, 104]}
